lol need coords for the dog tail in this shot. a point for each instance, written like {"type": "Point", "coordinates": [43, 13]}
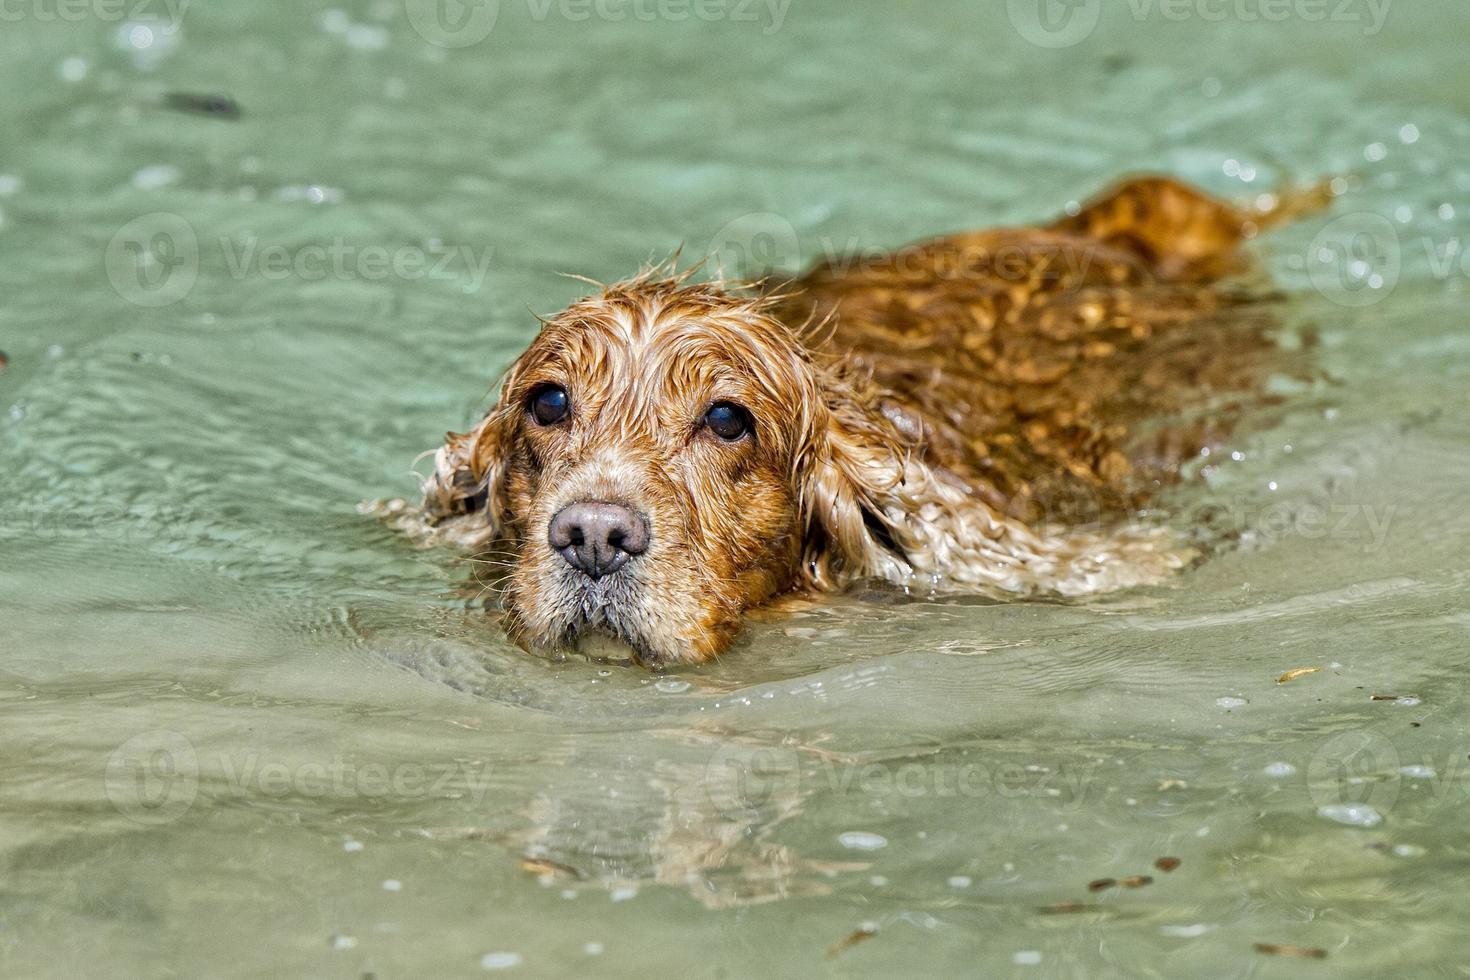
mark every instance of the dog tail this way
{"type": "Point", "coordinates": [1184, 233]}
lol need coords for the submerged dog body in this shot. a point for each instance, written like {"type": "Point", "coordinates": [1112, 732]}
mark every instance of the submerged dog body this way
{"type": "Point", "coordinates": [976, 412]}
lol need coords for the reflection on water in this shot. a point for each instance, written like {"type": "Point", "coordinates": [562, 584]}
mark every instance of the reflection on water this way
{"type": "Point", "coordinates": [249, 731]}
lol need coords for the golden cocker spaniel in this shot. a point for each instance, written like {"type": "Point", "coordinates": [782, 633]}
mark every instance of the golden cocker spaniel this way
{"type": "Point", "coordinates": [978, 412]}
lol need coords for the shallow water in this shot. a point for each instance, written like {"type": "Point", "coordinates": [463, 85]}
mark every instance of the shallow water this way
{"type": "Point", "coordinates": [249, 732]}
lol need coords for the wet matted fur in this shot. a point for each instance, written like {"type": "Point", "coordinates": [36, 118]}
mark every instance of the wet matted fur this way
{"type": "Point", "coordinates": [977, 412]}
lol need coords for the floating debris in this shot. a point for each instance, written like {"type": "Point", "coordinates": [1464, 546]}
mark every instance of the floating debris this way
{"type": "Point", "coordinates": [4, 360]}
{"type": "Point", "coordinates": [213, 106]}
{"type": "Point", "coordinates": [1135, 881]}
{"type": "Point", "coordinates": [1068, 908]}
{"type": "Point", "coordinates": [1102, 884]}
{"type": "Point", "coordinates": [1292, 675]}
{"type": "Point", "coordinates": [550, 869]}
{"type": "Point", "coordinates": [861, 934]}
{"type": "Point", "coordinates": [1394, 697]}
{"type": "Point", "coordinates": [1301, 952]}
{"type": "Point", "coordinates": [1167, 864]}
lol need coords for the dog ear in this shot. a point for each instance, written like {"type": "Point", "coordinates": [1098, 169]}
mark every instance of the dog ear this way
{"type": "Point", "coordinates": [851, 475]}
{"type": "Point", "coordinates": [468, 485]}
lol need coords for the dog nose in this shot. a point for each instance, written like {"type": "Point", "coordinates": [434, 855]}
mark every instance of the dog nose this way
{"type": "Point", "coordinates": [598, 538]}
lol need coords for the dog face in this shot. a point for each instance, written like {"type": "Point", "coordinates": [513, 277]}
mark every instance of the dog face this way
{"type": "Point", "coordinates": [665, 455]}
{"type": "Point", "coordinates": [647, 466]}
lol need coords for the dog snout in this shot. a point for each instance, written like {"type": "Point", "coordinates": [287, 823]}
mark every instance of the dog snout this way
{"type": "Point", "coordinates": [596, 537]}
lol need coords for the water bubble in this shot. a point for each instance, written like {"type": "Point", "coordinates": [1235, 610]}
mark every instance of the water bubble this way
{"type": "Point", "coordinates": [1408, 850]}
{"type": "Point", "coordinates": [392, 885]}
{"type": "Point", "coordinates": [1229, 702]}
{"type": "Point", "coordinates": [593, 949]}
{"type": "Point", "coordinates": [156, 176]}
{"type": "Point", "coordinates": [500, 961]}
{"type": "Point", "coordinates": [1374, 152]}
{"type": "Point", "coordinates": [1279, 770]}
{"type": "Point", "coordinates": [74, 69]}
{"type": "Point", "coordinates": [960, 881]}
{"type": "Point", "coordinates": [623, 894]}
{"type": "Point", "coordinates": [1409, 134]}
{"type": "Point", "coordinates": [671, 686]}
{"type": "Point", "coordinates": [367, 37]}
{"type": "Point", "coordinates": [1352, 814]}
{"type": "Point", "coordinates": [334, 21]}
{"type": "Point", "coordinates": [1417, 772]}
{"type": "Point", "coordinates": [352, 846]}
{"type": "Point", "coordinates": [1026, 957]}
{"type": "Point", "coordinates": [858, 840]}
{"type": "Point", "coordinates": [344, 942]}
{"type": "Point", "coordinates": [1185, 932]}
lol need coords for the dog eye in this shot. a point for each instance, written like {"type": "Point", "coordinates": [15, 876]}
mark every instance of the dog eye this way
{"type": "Point", "coordinates": [727, 420]}
{"type": "Point", "coordinates": [549, 404]}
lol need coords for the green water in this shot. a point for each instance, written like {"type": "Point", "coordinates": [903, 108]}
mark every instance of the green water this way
{"type": "Point", "coordinates": [248, 732]}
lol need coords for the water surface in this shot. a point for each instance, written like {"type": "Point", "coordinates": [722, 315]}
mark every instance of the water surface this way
{"type": "Point", "coordinates": [249, 732]}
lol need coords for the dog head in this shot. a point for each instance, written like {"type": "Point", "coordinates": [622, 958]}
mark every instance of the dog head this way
{"type": "Point", "coordinates": [663, 456]}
